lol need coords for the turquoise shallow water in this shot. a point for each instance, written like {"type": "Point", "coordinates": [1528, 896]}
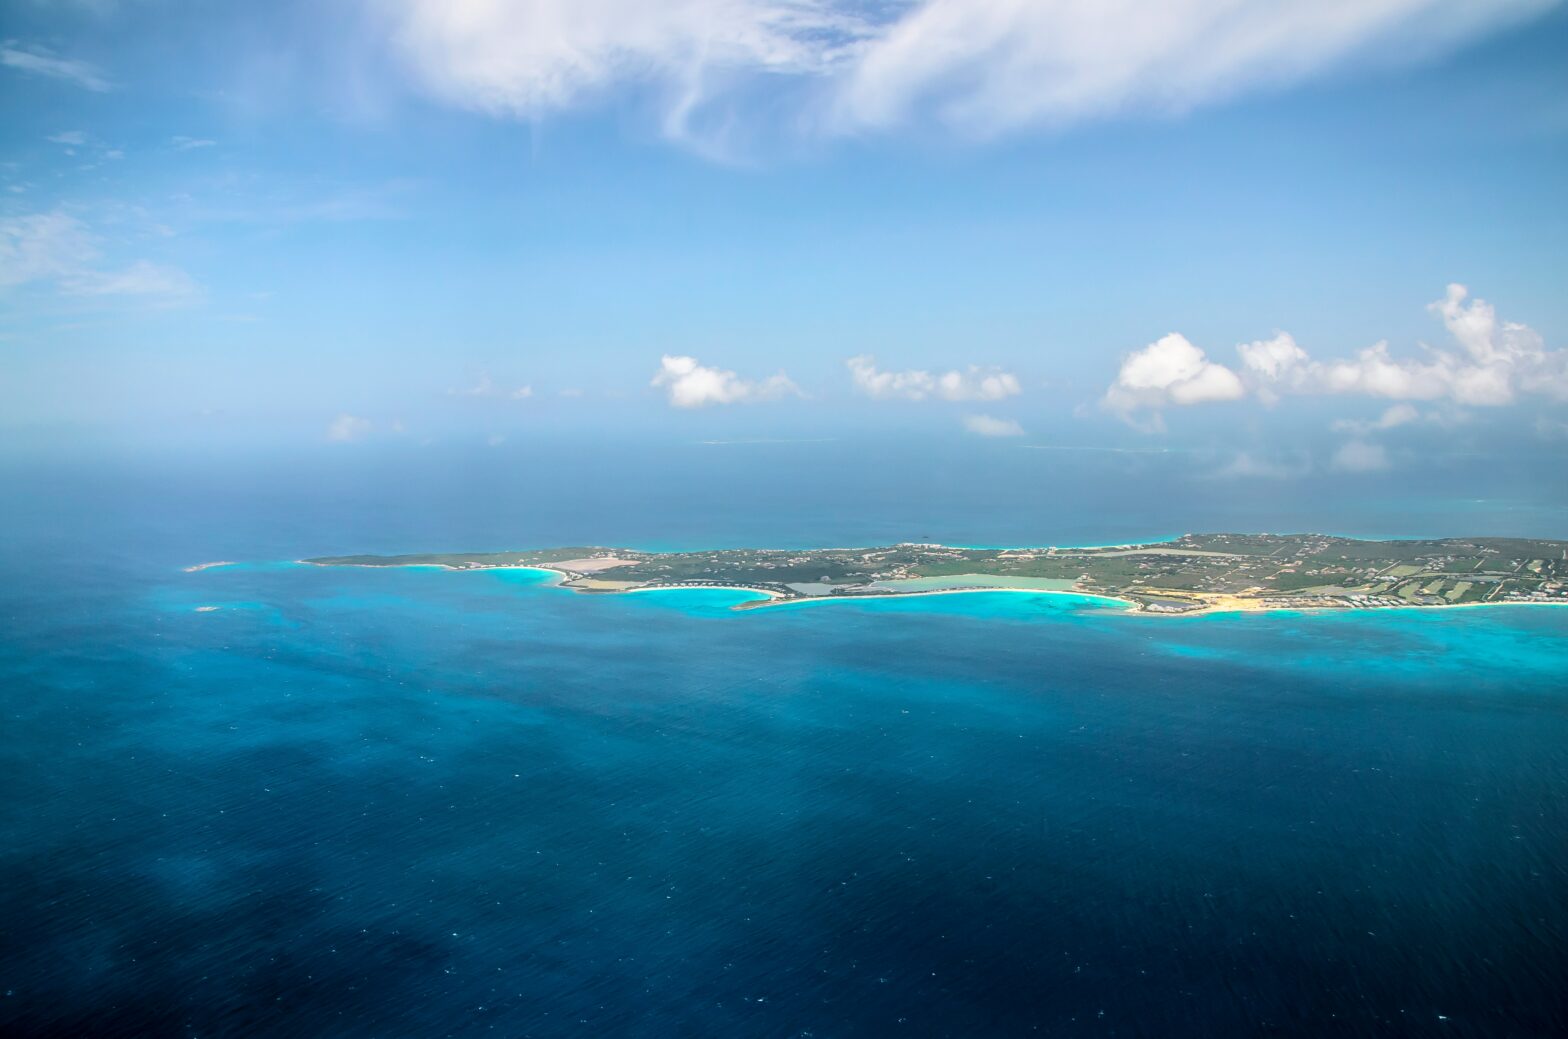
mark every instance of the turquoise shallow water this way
{"type": "Point", "coordinates": [361, 802]}
{"type": "Point", "coordinates": [409, 802]}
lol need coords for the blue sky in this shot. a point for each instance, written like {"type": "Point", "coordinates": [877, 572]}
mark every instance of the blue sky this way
{"type": "Point", "coordinates": [341, 224]}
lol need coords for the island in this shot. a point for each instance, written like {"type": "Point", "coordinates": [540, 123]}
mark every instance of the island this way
{"type": "Point", "coordinates": [1195, 573]}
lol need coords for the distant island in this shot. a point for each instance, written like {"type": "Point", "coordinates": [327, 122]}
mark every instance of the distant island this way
{"type": "Point", "coordinates": [1194, 573]}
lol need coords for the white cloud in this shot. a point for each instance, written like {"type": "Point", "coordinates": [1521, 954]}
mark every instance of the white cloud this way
{"type": "Point", "coordinates": [985, 66]}
{"type": "Point", "coordinates": [483, 388]}
{"type": "Point", "coordinates": [44, 246]}
{"type": "Point", "coordinates": [1497, 362]}
{"type": "Point", "coordinates": [40, 62]}
{"type": "Point", "coordinates": [71, 138]}
{"type": "Point", "coordinates": [975, 383]}
{"type": "Point", "coordinates": [1170, 371]}
{"type": "Point", "coordinates": [987, 426]}
{"type": "Point", "coordinates": [1393, 416]}
{"type": "Point", "coordinates": [182, 143]}
{"type": "Point", "coordinates": [1397, 415]}
{"type": "Point", "coordinates": [57, 248]}
{"type": "Point", "coordinates": [486, 387]}
{"type": "Point", "coordinates": [346, 428]}
{"type": "Point", "coordinates": [691, 385]}
{"type": "Point", "coordinates": [1269, 359]}
{"type": "Point", "coordinates": [537, 57]}
{"type": "Point", "coordinates": [142, 278]}
{"type": "Point", "coordinates": [978, 67]}
{"type": "Point", "coordinates": [1359, 456]}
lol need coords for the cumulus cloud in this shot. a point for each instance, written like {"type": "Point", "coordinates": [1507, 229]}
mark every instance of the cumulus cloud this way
{"type": "Point", "coordinates": [989, 426]}
{"type": "Point", "coordinates": [978, 67]}
{"type": "Point", "coordinates": [690, 384]}
{"type": "Point", "coordinates": [1268, 360]}
{"type": "Point", "coordinates": [346, 428]}
{"type": "Point", "coordinates": [975, 383]}
{"type": "Point", "coordinates": [1495, 363]}
{"type": "Point", "coordinates": [1170, 370]}
{"type": "Point", "coordinates": [39, 61]}
{"type": "Point", "coordinates": [58, 249]}
{"type": "Point", "coordinates": [1359, 456]}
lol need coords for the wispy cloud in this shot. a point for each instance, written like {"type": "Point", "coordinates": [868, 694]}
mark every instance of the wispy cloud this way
{"type": "Point", "coordinates": [977, 67]}
{"type": "Point", "coordinates": [58, 249]}
{"type": "Point", "coordinates": [44, 247]}
{"type": "Point", "coordinates": [973, 383]}
{"type": "Point", "coordinates": [41, 62]}
{"type": "Point", "coordinates": [142, 278]}
{"type": "Point", "coordinates": [347, 428]}
{"type": "Point", "coordinates": [982, 67]}
{"type": "Point", "coordinates": [186, 144]}
{"type": "Point", "coordinates": [533, 59]}
{"type": "Point", "coordinates": [485, 386]}
{"type": "Point", "coordinates": [989, 426]}
{"type": "Point", "coordinates": [274, 202]}
{"type": "Point", "coordinates": [690, 384]}
{"type": "Point", "coordinates": [1394, 416]}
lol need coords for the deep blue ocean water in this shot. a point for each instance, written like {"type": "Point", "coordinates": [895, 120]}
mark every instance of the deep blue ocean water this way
{"type": "Point", "coordinates": [408, 802]}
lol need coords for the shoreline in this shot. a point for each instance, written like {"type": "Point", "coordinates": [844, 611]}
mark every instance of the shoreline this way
{"type": "Point", "coordinates": [780, 600]}
{"type": "Point", "coordinates": [1209, 611]}
{"type": "Point", "coordinates": [767, 597]}
{"type": "Point", "coordinates": [1132, 608]}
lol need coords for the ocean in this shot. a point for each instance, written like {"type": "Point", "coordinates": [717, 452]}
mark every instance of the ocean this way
{"type": "Point", "coordinates": [354, 802]}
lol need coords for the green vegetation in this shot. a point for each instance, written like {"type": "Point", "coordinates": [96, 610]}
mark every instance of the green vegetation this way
{"type": "Point", "coordinates": [1192, 572]}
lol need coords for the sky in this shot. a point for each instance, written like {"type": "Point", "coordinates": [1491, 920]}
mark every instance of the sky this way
{"type": "Point", "coordinates": [1319, 234]}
